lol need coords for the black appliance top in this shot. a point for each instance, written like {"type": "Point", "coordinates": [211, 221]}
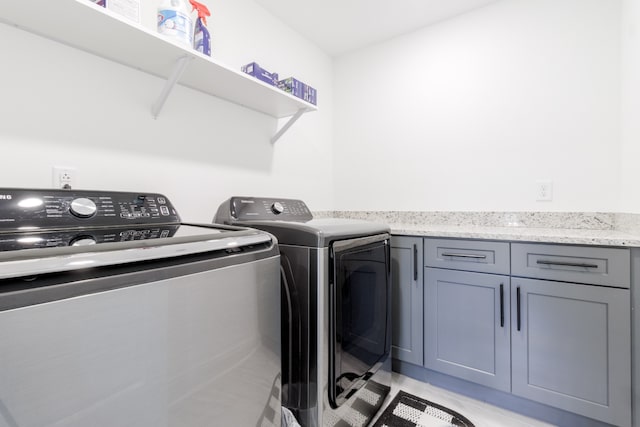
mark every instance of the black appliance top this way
{"type": "Point", "coordinates": [64, 224]}
{"type": "Point", "coordinates": [241, 209]}
{"type": "Point", "coordinates": [45, 218]}
{"type": "Point", "coordinates": [31, 209]}
{"type": "Point", "coordinates": [291, 221]}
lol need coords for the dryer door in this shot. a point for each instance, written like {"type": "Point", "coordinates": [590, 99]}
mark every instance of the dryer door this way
{"type": "Point", "coordinates": [359, 313]}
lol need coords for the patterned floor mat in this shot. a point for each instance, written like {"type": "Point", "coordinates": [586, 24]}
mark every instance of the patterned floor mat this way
{"type": "Point", "coordinates": [361, 409]}
{"type": "Point", "coordinates": [407, 410]}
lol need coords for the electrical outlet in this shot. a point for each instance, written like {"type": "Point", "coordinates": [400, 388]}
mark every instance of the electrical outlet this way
{"type": "Point", "coordinates": [544, 190]}
{"type": "Point", "coordinates": [64, 177]}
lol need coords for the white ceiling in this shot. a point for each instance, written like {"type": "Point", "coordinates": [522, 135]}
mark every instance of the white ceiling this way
{"type": "Point", "coordinates": [338, 26]}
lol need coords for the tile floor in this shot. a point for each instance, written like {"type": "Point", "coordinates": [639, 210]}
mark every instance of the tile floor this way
{"type": "Point", "coordinates": [480, 413]}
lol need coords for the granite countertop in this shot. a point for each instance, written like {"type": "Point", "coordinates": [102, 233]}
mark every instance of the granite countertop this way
{"type": "Point", "coordinates": [524, 234]}
{"type": "Point", "coordinates": [580, 228]}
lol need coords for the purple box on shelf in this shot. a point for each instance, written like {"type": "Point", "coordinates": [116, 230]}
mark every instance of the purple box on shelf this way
{"type": "Point", "coordinates": [312, 95]}
{"type": "Point", "coordinates": [298, 89]}
{"type": "Point", "coordinates": [260, 73]}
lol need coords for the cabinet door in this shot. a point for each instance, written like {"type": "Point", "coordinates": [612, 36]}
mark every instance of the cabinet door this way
{"type": "Point", "coordinates": [467, 326]}
{"type": "Point", "coordinates": [571, 347]}
{"type": "Point", "coordinates": [407, 299]}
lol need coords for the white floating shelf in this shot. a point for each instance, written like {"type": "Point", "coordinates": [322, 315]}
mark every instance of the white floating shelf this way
{"type": "Point", "coordinates": [94, 29]}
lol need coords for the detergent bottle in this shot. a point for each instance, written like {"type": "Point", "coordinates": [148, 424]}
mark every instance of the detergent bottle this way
{"type": "Point", "coordinates": [201, 36]}
{"type": "Point", "coordinates": [174, 21]}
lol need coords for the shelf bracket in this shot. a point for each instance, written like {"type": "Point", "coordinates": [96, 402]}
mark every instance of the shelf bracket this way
{"type": "Point", "coordinates": [287, 125]}
{"type": "Point", "coordinates": [178, 69]}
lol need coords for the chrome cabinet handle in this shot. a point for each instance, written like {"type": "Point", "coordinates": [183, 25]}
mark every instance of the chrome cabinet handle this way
{"type": "Point", "coordinates": [464, 255]}
{"type": "Point", "coordinates": [566, 264]}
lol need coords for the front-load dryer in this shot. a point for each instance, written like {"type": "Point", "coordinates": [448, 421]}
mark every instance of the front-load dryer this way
{"type": "Point", "coordinates": [336, 302]}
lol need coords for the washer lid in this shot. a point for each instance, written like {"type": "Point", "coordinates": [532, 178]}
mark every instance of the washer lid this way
{"type": "Point", "coordinates": [41, 252]}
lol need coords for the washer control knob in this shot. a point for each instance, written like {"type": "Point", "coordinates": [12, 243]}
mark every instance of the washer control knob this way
{"type": "Point", "coordinates": [83, 241]}
{"type": "Point", "coordinates": [83, 207]}
{"type": "Point", "coordinates": [277, 208]}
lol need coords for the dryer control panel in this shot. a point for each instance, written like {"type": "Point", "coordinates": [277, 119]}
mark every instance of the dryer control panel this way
{"type": "Point", "coordinates": [262, 208]}
{"type": "Point", "coordinates": [30, 209]}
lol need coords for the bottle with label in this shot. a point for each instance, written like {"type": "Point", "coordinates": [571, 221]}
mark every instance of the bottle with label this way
{"type": "Point", "coordinates": [201, 36]}
{"type": "Point", "coordinates": [174, 21]}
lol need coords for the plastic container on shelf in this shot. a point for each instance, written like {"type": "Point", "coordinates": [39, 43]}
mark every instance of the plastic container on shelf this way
{"type": "Point", "coordinates": [175, 22]}
{"type": "Point", "coordinates": [201, 36]}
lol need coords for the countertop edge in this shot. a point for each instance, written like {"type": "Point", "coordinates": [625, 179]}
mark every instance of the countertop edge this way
{"type": "Point", "coordinates": [557, 236]}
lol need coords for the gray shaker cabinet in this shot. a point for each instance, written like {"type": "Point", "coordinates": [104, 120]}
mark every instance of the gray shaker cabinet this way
{"type": "Point", "coordinates": [467, 326]}
{"type": "Point", "coordinates": [571, 342]}
{"type": "Point", "coordinates": [571, 347]}
{"type": "Point", "coordinates": [467, 314]}
{"type": "Point", "coordinates": [552, 325]}
{"type": "Point", "coordinates": [407, 308]}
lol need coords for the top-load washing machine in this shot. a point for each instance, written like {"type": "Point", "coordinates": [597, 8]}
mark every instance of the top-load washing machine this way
{"type": "Point", "coordinates": [114, 312]}
{"type": "Point", "coordinates": [336, 319]}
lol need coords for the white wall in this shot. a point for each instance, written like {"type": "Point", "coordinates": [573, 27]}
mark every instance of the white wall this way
{"type": "Point", "coordinates": [630, 195]}
{"type": "Point", "coordinates": [469, 113]}
{"type": "Point", "coordinates": [64, 107]}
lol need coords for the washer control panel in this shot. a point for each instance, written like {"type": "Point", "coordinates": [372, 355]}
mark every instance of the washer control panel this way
{"type": "Point", "coordinates": [26, 209]}
{"type": "Point", "coordinates": [259, 208]}
{"type": "Point", "coordinates": [91, 236]}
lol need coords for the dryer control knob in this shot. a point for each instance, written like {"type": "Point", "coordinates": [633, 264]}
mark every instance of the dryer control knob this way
{"type": "Point", "coordinates": [83, 208]}
{"type": "Point", "coordinates": [277, 208]}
